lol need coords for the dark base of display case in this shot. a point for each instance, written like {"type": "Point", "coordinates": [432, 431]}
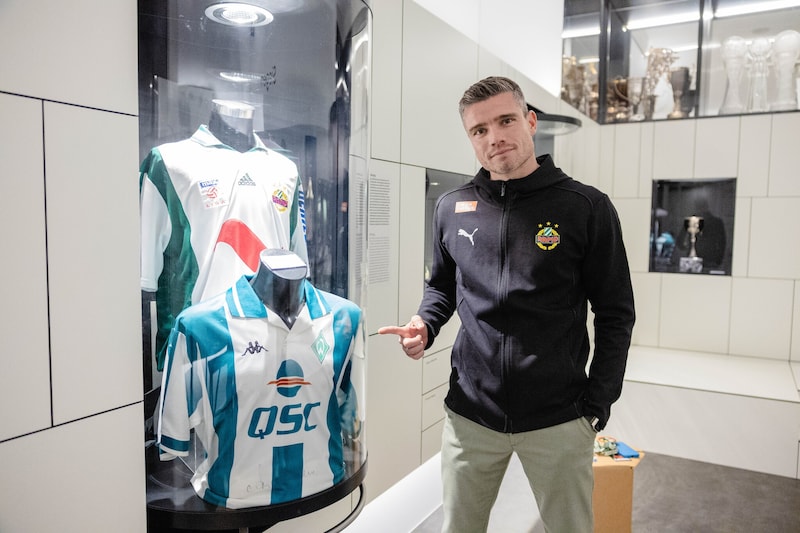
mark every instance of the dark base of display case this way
{"type": "Point", "coordinates": [173, 506]}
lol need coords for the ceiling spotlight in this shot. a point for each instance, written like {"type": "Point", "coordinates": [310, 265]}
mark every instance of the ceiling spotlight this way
{"type": "Point", "coordinates": [239, 14]}
{"type": "Point", "coordinates": [239, 77]}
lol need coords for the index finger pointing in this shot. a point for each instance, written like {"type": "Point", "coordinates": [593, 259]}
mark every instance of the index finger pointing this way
{"type": "Point", "coordinates": [392, 330]}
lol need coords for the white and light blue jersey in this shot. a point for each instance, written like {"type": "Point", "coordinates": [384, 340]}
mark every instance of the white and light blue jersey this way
{"type": "Point", "coordinates": [267, 402]}
{"type": "Point", "coordinates": [207, 211]}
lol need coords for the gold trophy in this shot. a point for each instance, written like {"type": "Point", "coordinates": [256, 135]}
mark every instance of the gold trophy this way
{"type": "Point", "coordinates": [694, 227]}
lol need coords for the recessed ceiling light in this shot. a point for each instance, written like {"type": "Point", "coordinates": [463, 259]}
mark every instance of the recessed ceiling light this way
{"type": "Point", "coordinates": [239, 14]}
{"type": "Point", "coordinates": [239, 77]}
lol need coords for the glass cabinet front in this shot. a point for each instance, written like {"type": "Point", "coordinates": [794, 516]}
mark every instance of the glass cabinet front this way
{"type": "Point", "coordinates": [253, 185]}
{"type": "Point", "coordinates": [635, 60]}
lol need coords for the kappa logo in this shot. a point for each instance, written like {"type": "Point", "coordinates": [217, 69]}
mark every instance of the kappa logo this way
{"type": "Point", "coordinates": [463, 233]}
{"type": "Point", "coordinates": [289, 379]}
{"type": "Point", "coordinates": [253, 347]}
{"type": "Point", "coordinates": [548, 236]}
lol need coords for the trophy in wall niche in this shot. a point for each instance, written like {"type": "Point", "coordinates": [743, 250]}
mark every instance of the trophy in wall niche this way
{"type": "Point", "coordinates": [680, 80]}
{"type": "Point", "coordinates": [694, 226]}
{"type": "Point", "coordinates": [758, 53]}
{"type": "Point", "coordinates": [734, 53]}
{"type": "Point", "coordinates": [785, 50]}
{"type": "Point", "coordinates": [659, 61]}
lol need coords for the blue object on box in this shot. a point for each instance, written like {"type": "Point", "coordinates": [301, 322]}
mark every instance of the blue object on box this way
{"type": "Point", "coordinates": [626, 451]}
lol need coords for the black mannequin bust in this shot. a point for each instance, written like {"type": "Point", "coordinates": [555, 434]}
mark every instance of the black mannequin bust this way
{"type": "Point", "coordinates": [232, 123]}
{"type": "Point", "coordinates": [279, 283]}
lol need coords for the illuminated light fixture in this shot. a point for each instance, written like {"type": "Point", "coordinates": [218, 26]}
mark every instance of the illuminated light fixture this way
{"type": "Point", "coordinates": [239, 14]}
{"type": "Point", "coordinates": [754, 7]}
{"type": "Point", "coordinates": [239, 77]}
{"type": "Point", "coordinates": [666, 20]}
{"type": "Point", "coordinates": [588, 60]}
{"type": "Point", "coordinates": [572, 33]}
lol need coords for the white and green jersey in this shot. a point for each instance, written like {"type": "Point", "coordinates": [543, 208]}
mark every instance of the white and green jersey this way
{"type": "Point", "coordinates": [207, 211]}
{"type": "Point", "coordinates": [268, 403]}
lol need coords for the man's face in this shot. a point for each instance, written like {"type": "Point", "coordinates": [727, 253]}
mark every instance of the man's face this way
{"type": "Point", "coordinates": [502, 136]}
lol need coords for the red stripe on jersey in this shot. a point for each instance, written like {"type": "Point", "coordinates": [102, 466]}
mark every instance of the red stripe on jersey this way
{"type": "Point", "coordinates": [243, 241]}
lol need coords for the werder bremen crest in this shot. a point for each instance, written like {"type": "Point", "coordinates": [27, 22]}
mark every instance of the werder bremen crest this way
{"type": "Point", "coordinates": [321, 347]}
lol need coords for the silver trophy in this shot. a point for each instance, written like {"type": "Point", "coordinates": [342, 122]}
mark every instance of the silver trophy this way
{"type": "Point", "coordinates": [734, 53]}
{"type": "Point", "coordinates": [758, 53]}
{"type": "Point", "coordinates": [659, 61]}
{"type": "Point", "coordinates": [786, 50]}
{"type": "Point", "coordinates": [680, 80]}
{"type": "Point", "coordinates": [694, 226]}
{"type": "Point", "coordinates": [635, 88]}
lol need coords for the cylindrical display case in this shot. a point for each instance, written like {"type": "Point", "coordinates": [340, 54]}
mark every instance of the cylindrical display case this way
{"type": "Point", "coordinates": [254, 145]}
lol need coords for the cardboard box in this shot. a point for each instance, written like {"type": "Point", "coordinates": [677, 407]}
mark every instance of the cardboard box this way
{"type": "Point", "coordinates": [612, 498]}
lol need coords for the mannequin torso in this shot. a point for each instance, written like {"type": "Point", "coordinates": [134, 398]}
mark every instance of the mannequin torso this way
{"type": "Point", "coordinates": [279, 283]}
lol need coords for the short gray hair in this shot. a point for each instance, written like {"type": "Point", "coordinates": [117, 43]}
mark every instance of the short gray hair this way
{"type": "Point", "coordinates": [488, 87]}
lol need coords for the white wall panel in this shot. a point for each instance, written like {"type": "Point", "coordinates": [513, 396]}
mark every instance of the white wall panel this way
{"type": "Point", "coordinates": [795, 350]}
{"type": "Point", "coordinates": [773, 227]}
{"type": "Point", "coordinates": [386, 117]}
{"type": "Point", "coordinates": [695, 312]}
{"type": "Point", "coordinates": [394, 413]}
{"type": "Point", "coordinates": [673, 155]}
{"type": "Point", "coordinates": [753, 153]}
{"type": "Point", "coordinates": [411, 273]}
{"type": "Point", "coordinates": [708, 426]}
{"type": "Point", "coordinates": [506, 28]}
{"type": "Point", "coordinates": [84, 476]}
{"type": "Point", "coordinates": [435, 369]}
{"type": "Point", "coordinates": [93, 242]}
{"type": "Point", "coordinates": [761, 318]}
{"type": "Point", "coordinates": [646, 160]}
{"type": "Point", "coordinates": [83, 52]}
{"type": "Point", "coordinates": [646, 290]}
{"type": "Point", "coordinates": [462, 15]}
{"type": "Point", "coordinates": [717, 142]}
{"type": "Point", "coordinates": [605, 171]}
{"type": "Point", "coordinates": [741, 237]}
{"type": "Point", "coordinates": [634, 217]}
{"type": "Point", "coordinates": [432, 441]}
{"type": "Point", "coordinates": [627, 147]}
{"type": "Point", "coordinates": [25, 356]}
{"type": "Point", "coordinates": [439, 63]}
{"type": "Point", "coordinates": [784, 155]}
{"type": "Point", "coordinates": [583, 153]}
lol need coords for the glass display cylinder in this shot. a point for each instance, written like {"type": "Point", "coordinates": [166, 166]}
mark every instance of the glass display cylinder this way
{"type": "Point", "coordinates": [254, 144]}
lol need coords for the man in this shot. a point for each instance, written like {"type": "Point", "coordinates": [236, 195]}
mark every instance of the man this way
{"type": "Point", "coordinates": [520, 252]}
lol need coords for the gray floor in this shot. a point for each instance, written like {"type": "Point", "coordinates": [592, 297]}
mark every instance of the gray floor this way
{"type": "Point", "coordinates": [672, 495]}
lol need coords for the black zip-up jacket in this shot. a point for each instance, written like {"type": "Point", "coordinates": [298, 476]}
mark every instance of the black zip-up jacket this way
{"type": "Point", "coordinates": [519, 260]}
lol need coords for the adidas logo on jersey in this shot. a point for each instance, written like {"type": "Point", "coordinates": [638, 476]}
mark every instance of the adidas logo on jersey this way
{"type": "Point", "coordinates": [247, 181]}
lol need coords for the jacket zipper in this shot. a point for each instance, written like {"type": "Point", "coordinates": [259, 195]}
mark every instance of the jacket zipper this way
{"type": "Point", "coordinates": [502, 290]}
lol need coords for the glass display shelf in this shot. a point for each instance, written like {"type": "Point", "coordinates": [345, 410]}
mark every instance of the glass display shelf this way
{"type": "Point", "coordinates": [642, 60]}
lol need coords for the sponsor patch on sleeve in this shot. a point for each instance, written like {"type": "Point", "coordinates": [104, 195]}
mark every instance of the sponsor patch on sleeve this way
{"type": "Point", "coordinates": [466, 207]}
